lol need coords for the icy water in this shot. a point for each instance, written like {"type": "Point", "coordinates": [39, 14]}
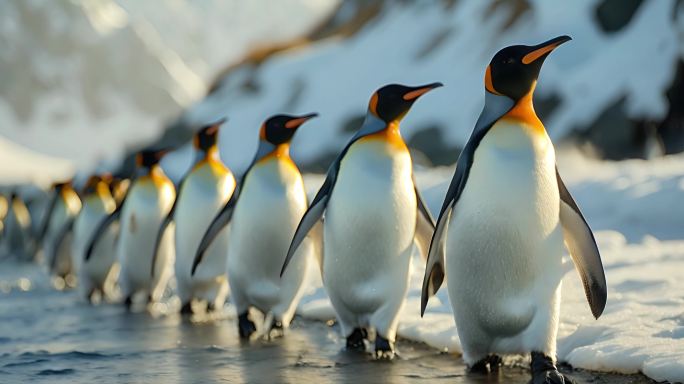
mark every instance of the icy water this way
{"type": "Point", "coordinates": [47, 336]}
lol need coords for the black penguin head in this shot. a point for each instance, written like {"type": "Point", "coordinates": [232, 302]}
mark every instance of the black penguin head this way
{"type": "Point", "coordinates": [514, 70]}
{"type": "Point", "coordinates": [149, 157]}
{"type": "Point", "coordinates": [91, 184]}
{"type": "Point", "coordinates": [393, 101]}
{"type": "Point", "coordinates": [207, 137]}
{"type": "Point", "coordinates": [280, 129]}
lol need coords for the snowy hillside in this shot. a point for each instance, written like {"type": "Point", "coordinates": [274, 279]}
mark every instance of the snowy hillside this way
{"type": "Point", "coordinates": [639, 222]}
{"type": "Point", "coordinates": [89, 80]}
{"type": "Point", "coordinates": [452, 42]}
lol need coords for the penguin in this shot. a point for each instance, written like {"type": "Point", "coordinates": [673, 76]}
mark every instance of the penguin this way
{"type": "Point", "coordinates": [145, 205]}
{"type": "Point", "coordinates": [373, 214]}
{"type": "Point", "coordinates": [17, 228]}
{"type": "Point", "coordinates": [203, 191]}
{"type": "Point", "coordinates": [500, 232]}
{"type": "Point", "coordinates": [263, 217]}
{"type": "Point", "coordinates": [98, 273]}
{"type": "Point", "coordinates": [56, 236]}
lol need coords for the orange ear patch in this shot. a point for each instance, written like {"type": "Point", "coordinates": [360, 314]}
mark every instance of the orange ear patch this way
{"type": "Point", "coordinates": [262, 132]}
{"type": "Point", "coordinates": [373, 104]}
{"type": "Point", "coordinates": [488, 82]}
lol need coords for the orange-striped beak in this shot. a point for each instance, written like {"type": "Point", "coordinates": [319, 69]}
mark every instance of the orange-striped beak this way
{"type": "Point", "coordinates": [419, 91]}
{"type": "Point", "coordinates": [298, 121]}
{"type": "Point", "coordinates": [543, 49]}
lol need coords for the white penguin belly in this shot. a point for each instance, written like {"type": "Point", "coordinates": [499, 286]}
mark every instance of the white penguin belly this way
{"type": "Point", "coordinates": [140, 221]}
{"type": "Point", "coordinates": [271, 205]}
{"type": "Point", "coordinates": [504, 245]}
{"type": "Point", "coordinates": [202, 197]}
{"type": "Point", "coordinates": [94, 272]}
{"type": "Point", "coordinates": [369, 230]}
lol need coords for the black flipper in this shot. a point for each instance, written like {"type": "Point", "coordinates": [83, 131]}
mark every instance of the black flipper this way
{"type": "Point", "coordinates": [314, 214]}
{"type": "Point", "coordinates": [59, 239]}
{"type": "Point", "coordinates": [167, 220]}
{"type": "Point", "coordinates": [101, 230]}
{"type": "Point", "coordinates": [495, 107]}
{"type": "Point", "coordinates": [425, 224]}
{"type": "Point", "coordinates": [585, 253]}
{"type": "Point", "coordinates": [217, 224]}
{"type": "Point", "coordinates": [46, 220]}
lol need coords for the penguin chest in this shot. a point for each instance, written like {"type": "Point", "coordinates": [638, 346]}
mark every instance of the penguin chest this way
{"type": "Point", "coordinates": [271, 204]}
{"type": "Point", "coordinates": [143, 212]}
{"type": "Point", "coordinates": [370, 220]}
{"type": "Point", "coordinates": [504, 243]}
{"type": "Point", "coordinates": [203, 194]}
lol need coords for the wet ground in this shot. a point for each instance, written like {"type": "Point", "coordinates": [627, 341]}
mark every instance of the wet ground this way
{"type": "Point", "coordinates": [48, 336]}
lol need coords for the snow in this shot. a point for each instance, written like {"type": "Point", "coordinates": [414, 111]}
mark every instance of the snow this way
{"type": "Point", "coordinates": [635, 209]}
{"type": "Point", "coordinates": [336, 77]}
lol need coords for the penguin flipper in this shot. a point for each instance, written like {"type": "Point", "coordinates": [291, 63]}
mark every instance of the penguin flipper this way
{"type": "Point", "coordinates": [100, 231]}
{"type": "Point", "coordinates": [425, 224]}
{"type": "Point", "coordinates": [583, 249]}
{"type": "Point", "coordinates": [217, 224]}
{"type": "Point", "coordinates": [59, 240]}
{"type": "Point", "coordinates": [311, 217]}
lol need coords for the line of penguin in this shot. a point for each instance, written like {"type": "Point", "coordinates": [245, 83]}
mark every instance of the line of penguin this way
{"type": "Point", "coordinates": [498, 239]}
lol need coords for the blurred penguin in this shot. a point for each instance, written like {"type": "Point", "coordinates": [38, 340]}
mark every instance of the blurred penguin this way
{"type": "Point", "coordinates": [16, 229]}
{"type": "Point", "coordinates": [202, 192]}
{"type": "Point", "coordinates": [271, 201]}
{"type": "Point", "coordinates": [97, 273]}
{"type": "Point", "coordinates": [148, 201]}
{"type": "Point", "coordinates": [56, 234]}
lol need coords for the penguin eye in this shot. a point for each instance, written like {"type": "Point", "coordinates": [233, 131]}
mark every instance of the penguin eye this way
{"type": "Point", "coordinates": [509, 60]}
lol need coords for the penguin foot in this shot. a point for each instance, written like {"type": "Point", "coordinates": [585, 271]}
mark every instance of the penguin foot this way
{"type": "Point", "coordinates": [277, 330]}
{"type": "Point", "coordinates": [245, 326]}
{"type": "Point", "coordinates": [544, 371]}
{"type": "Point", "coordinates": [384, 350]}
{"type": "Point", "coordinates": [128, 303]}
{"type": "Point", "coordinates": [186, 309]}
{"type": "Point", "coordinates": [355, 340]}
{"type": "Point", "coordinates": [487, 364]}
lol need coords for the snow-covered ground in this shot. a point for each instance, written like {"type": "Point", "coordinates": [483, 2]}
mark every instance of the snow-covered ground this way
{"type": "Point", "coordinates": [636, 210]}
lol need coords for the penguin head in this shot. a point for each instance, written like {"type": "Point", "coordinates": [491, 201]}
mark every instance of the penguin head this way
{"type": "Point", "coordinates": [393, 101]}
{"type": "Point", "coordinates": [280, 129]}
{"type": "Point", "coordinates": [148, 158]}
{"type": "Point", "coordinates": [514, 70]}
{"type": "Point", "coordinates": [91, 184]}
{"type": "Point", "coordinates": [207, 137]}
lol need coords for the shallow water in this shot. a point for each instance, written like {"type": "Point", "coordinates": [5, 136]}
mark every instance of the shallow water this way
{"type": "Point", "coordinates": [48, 336]}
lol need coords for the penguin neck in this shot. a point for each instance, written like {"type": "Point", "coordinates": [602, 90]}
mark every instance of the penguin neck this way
{"type": "Point", "coordinates": [268, 151]}
{"type": "Point", "coordinates": [156, 174]}
{"type": "Point", "coordinates": [523, 111]}
{"type": "Point", "coordinates": [211, 155]}
{"type": "Point", "coordinates": [374, 128]}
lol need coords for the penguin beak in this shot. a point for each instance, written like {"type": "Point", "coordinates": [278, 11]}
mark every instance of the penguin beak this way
{"type": "Point", "coordinates": [419, 91]}
{"type": "Point", "coordinates": [541, 51]}
{"type": "Point", "coordinates": [298, 121]}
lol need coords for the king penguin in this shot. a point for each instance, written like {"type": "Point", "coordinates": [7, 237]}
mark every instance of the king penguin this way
{"type": "Point", "coordinates": [506, 216]}
{"type": "Point", "coordinates": [373, 214]}
{"type": "Point", "coordinates": [265, 213]}
{"type": "Point", "coordinates": [203, 191]}
{"type": "Point", "coordinates": [56, 235]}
{"type": "Point", "coordinates": [17, 229]}
{"type": "Point", "coordinates": [98, 273]}
{"type": "Point", "coordinates": [140, 215]}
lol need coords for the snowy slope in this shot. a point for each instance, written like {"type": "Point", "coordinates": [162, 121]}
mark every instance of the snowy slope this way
{"type": "Point", "coordinates": [642, 328]}
{"type": "Point", "coordinates": [89, 80]}
{"type": "Point", "coordinates": [417, 42]}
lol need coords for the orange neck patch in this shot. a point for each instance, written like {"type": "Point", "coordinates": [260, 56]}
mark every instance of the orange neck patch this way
{"type": "Point", "coordinates": [390, 135]}
{"type": "Point", "coordinates": [281, 153]}
{"type": "Point", "coordinates": [523, 111]}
